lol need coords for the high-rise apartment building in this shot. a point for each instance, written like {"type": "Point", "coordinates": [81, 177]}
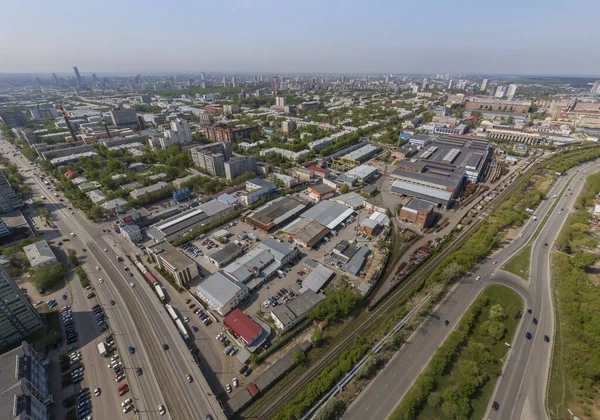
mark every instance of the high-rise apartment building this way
{"type": "Point", "coordinates": [238, 165]}
{"type": "Point", "coordinates": [425, 83]}
{"type": "Point", "coordinates": [233, 82]}
{"type": "Point", "coordinates": [13, 118]}
{"type": "Point", "coordinates": [511, 92]}
{"type": "Point", "coordinates": [8, 199]}
{"type": "Point", "coordinates": [77, 75]}
{"type": "Point", "coordinates": [17, 317]}
{"type": "Point", "coordinates": [25, 389]}
{"type": "Point", "coordinates": [484, 84]}
{"type": "Point", "coordinates": [125, 116]}
{"type": "Point", "coordinates": [288, 126]}
{"type": "Point", "coordinates": [500, 91]}
{"type": "Point", "coordinates": [212, 157]}
{"type": "Point", "coordinates": [450, 84]}
{"type": "Point", "coordinates": [596, 87]}
{"type": "Point", "coordinates": [178, 133]}
{"type": "Point", "coordinates": [47, 113]}
{"type": "Point", "coordinates": [280, 101]}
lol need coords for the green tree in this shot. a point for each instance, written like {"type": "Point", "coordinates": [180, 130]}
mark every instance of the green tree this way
{"type": "Point", "coordinates": [72, 257]}
{"type": "Point", "coordinates": [48, 277]}
{"type": "Point", "coordinates": [493, 329]}
{"type": "Point", "coordinates": [583, 260]}
{"type": "Point", "coordinates": [317, 338]}
{"type": "Point", "coordinates": [497, 313]}
{"type": "Point", "coordinates": [344, 189]}
{"type": "Point", "coordinates": [299, 357]}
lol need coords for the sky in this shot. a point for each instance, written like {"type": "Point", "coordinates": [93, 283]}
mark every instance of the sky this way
{"type": "Point", "coordinates": [546, 37]}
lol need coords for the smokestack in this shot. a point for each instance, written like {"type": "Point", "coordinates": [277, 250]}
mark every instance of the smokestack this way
{"type": "Point", "coordinates": [105, 126]}
{"type": "Point", "coordinates": [69, 126]}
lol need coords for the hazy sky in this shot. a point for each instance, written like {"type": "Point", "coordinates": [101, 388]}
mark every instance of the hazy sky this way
{"type": "Point", "coordinates": [401, 36]}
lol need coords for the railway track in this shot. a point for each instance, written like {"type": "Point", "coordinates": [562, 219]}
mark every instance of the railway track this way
{"type": "Point", "coordinates": [351, 333]}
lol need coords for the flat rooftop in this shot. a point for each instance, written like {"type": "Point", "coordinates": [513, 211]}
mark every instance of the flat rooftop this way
{"type": "Point", "coordinates": [277, 211]}
{"type": "Point", "coordinates": [328, 213]}
{"type": "Point", "coordinates": [306, 230]}
{"type": "Point", "coordinates": [173, 255]}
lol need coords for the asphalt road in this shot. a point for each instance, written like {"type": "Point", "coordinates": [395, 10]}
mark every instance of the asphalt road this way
{"type": "Point", "coordinates": [384, 392]}
{"type": "Point", "coordinates": [521, 390]}
{"type": "Point", "coordinates": [137, 319]}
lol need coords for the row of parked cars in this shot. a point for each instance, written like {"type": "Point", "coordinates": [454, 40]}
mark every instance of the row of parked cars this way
{"type": "Point", "coordinates": [69, 325]}
{"type": "Point", "coordinates": [193, 250]}
{"type": "Point", "coordinates": [84, 403]}
{"type": "Point", "coordinates": [283, 293]}
{"type": "Point", "coordinates": [99, 317]}
{"type": "Point", "coordinates": [203, 316]}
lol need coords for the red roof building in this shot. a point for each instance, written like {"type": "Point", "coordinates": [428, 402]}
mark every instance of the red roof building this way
{"type": "Point", "coordinates": [71, 174]}
{"type": "Point", "coordinates": [322, 172]}
{"type": "Point", "coordinates": [242, 326]}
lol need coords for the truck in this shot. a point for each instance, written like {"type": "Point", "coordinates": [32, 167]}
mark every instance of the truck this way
{"type": "Point", "coordinates": [171, 312]}
{"type": "Point", "coordinates": [159, 292]}
{"type": "Point", "coordinates": [102, 349]}
{"type": "Point", "coordinates": [182, 329]}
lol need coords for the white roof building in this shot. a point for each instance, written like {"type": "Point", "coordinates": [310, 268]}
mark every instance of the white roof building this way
{"type": "Point", "coordinates": [39, 254]}
{"type": "Point", "coordinates": [221, 293]}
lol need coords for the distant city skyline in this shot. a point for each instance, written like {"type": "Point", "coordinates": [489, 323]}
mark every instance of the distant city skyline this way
{"type": "Point", "coordinates": [248, 36]}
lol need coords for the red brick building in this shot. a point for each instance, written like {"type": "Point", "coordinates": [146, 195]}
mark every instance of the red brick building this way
{"type": "Point", "coordinates": [228, 135]}
{"type": "Point", "coordinates": [418, 212]}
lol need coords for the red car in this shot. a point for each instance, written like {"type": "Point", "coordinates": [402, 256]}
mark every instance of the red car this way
{"type": "Point", "coordinates": [123, 389]}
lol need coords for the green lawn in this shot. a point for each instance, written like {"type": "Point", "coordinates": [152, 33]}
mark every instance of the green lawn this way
{"type": "Point", "coordinates": [511, 302]}
{"type": "Point", "coordinates": [519, 263]}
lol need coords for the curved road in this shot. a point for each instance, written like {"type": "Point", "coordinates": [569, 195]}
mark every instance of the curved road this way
{"type": "Point", "coordinates": [379, 398]}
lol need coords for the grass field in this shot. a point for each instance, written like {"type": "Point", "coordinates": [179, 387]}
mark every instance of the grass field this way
{"type": "Point", "coordinates": [519, 263]}
{"type": "Point", "coordinates": [507, 298]}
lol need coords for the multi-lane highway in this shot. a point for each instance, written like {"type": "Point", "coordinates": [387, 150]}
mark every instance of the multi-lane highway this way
{"type": "Point", "coordinates": [136, 319]}
{"type": "Point", "coordinates": [521, 389]}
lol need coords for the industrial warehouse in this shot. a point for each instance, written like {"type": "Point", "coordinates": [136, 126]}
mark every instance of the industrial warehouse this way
{"type": "Point", "coordinates": [181, 223]}
{"type": "Point", "coordinates": [436, 169]}
{"type": "Point", "coordinates": [277, 212]}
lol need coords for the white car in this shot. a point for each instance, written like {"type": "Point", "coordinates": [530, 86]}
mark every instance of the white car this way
{"type": "Point", "coordinates": [186, 319]}
{"type": "Point", "coordinates": [126, 402]}
{"type": "Point", "coordinates": [161, 410]}
{"type": "Point", "coordinates": [128, 408]}
{"type": "Point", "coordinates": [97, 268]}
{"type": "Point", "coordinates": [105, 250]}
{"type": "Point", "coordinates": [97, 392]}
{"type": "Point", "coordinates": [478, 278]}
{"type": "Point", "coordinates": [235, 382]}
{"type": "Point", "coordinates": [101, 281]}
{"type": "Point", "coordinates": [228, 388]}
{"type": "Point", "coordinates": [120, 378]}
